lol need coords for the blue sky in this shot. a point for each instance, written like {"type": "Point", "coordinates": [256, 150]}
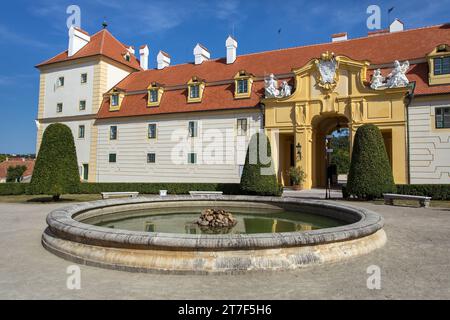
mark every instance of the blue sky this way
{"type": "Point", "coordinates": [33, 31]}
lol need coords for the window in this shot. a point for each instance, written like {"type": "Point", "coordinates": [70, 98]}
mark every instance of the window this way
{"type": "Point", "coordinates": [113, 133]}
{"type": "Point", "coordinates": [192, 158]}
{"type": "Point", "coordinates": [82, 105]}
{"type": "Point", "coordinates": [242, 86]}
{"type": "Point", "coordinates": [242, 127]}
{"type": "Point", "coordinates": [85, 171]}
{"type": "Point", "coordinates": [195, 91]}
{"type": "Point", "coordinates": [442, 118]}
{"type": "Point", "coordinates": [152, 131]}
{"type": "Point", "coordinates": [59, 107]}
{"type": "Point", "coordinates": [60, 82]}
{"type": "Point", "coordinates": [115, 100]}
{"type": "Point", "coordinates": [84, 78]}
{"type": "Point", "coordinates": [81, 132]}
{"type": "Point", "coordinates": [112, 158]}
{"type": "Point", "coordinates": [192, 129]}
{"type": "Point", "coordinates": [153, 95]}
{"type": "Point", "coordinates": [127, 57]}
{"type": "Point", "coordinates": [151, 157]}
{"type": "Point", "coordinates": [441, 66]}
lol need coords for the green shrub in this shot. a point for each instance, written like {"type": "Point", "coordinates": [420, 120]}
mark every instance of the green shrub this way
{"type": "Point", "coordinates": [435, 191]}
{"type": "Point", "coordinates": [370, 172]}
{"type": "Point", "coordinates": [56, 169]}
{"type": "Point", "coordinates": [15, 173]}
{"type": "Point", "coordinates": [259, 178]}
{"type": "Point", "coordinates": [8, 189]}
{"type": "Point", "coordinates": [153, 188]}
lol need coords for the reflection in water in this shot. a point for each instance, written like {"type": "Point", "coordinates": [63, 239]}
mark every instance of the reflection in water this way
{"type": "Point", "coordinates": [264, 222]}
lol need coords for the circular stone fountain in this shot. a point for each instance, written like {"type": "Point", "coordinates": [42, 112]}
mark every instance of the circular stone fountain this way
{"type": "Point", "coordinates": [161, 234]}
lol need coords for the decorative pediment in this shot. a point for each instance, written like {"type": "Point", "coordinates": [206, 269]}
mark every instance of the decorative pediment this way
{"type": "Point", "coordinates": [328, 68]}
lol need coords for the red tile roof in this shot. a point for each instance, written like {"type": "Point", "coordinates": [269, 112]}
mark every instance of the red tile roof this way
{"type": "Point", "coordinates": [101, 43]}
{"type": "Point", "coordinates": [12, 162]}
{"type": "Point", "coordinates": [378, 49]}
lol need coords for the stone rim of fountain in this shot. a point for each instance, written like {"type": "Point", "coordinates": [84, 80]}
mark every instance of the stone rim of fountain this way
{"type": "Point", "coordinates": [61, 224]}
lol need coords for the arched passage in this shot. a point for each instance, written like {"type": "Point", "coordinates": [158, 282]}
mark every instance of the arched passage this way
{"type": "Point", "coordinates": [323, 126]}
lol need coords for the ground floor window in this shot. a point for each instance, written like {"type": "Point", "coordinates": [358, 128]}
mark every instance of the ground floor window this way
{"type": "Point", "coordinates": [151, 157]}
{"type": "Point", "coordinates": [192, 158]}
{"type": "Point", "coordinates": [85, 171]}
{"type": "Point", "coordinates": [442, 118]}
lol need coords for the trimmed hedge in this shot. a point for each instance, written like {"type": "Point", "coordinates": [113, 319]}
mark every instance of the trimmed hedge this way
{"type": "Point", "coordinates": [12, 188]}
{"type": "Point", "coordinates": [370, 173]}
{"type": "Point", "coordinates": [435, 191]}
{"type": "Point", "coordinates": [153, 188]}
{"type": "Point", "coordinates": [258, 178]}
{"type": "Point", "coordinates": [143, 188]}
{"type": "Point", "coordinates": [56, 169]}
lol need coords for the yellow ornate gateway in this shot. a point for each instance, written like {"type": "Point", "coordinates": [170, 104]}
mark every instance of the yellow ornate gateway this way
{"type": "Point", "coordinates": [332, 92]}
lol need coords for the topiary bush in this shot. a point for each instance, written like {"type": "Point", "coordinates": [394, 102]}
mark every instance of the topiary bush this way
{"type": "Point", "coordinates": [258, 178]}
{"type": "Point", "coordinates": [56, 169]}
{"type": "Point", "coordinates": [15, 173]}
{"type": "Point", "coordinates": [370, 172]}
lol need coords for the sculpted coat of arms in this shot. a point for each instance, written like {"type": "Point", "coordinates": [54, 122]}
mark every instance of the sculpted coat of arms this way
{"type": "Point", "coordinates": [327, 66]}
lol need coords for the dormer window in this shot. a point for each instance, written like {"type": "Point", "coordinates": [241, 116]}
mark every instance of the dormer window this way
{"type": "Point", "coordinates": [127, 57]}
{"type": "Point", "coordinates": [243, 85]}
{"type": "Point", "coordinates": [115, 99]}
{"type": "Point", "coordinates": [155, 92]}
{"type": "Point", "coordinates": [439, 65]}
{"type": "Point", "coordinates": [196, 88]}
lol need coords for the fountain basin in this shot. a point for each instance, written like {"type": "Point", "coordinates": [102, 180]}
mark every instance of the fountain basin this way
{"type": "Point", "coordinates": [70, 236]}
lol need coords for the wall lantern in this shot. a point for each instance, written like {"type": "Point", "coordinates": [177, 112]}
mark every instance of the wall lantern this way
{"type": "Point", "coordinates": [299, 151]}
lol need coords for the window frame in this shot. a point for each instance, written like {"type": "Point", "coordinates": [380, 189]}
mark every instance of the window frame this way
{"type": "Point", "coordinates": [244, 81]}
{"type": "Point", "coordinates": [81, 129]}
{"type": "Point", "coordinates": [115, 100]}
{"type": "Point", "coordinates": [239, 131]}
{"type": "Point", "coordinates": [443, 111]}
{"type": "Point", "coordinates": [148, 131]}
{"type": "Point", "coordinates": [115, 157]}
{"type": "Point", "coordinates": [149, 154]}
{"type": "Point", "coordinates": [83, 76]}
{"type": "Point", "coordinates": [79, 105]}
{"type": "Point", "coordinates": [59, 83]}
{"type": "Point", "coordinates": [193, 133]}
{"type": "Point", "coordinates": [441, 66]}
{"type": "Point", "coordinates": [190, 155]}
{"type": "Point", "coordinates": [58, 109]}
{"type": "Point", "coordinates": [197, 90]}
{"type": "Point", "coordinates": [153, 93]}
{"type": "Point", "coordinates": [111, 138]}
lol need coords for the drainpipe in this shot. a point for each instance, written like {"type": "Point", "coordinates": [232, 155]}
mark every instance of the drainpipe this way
{"type": "Point", "coordinates": [409, 99]}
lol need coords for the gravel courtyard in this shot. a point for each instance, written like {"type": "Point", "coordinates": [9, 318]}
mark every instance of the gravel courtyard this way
{"type": "Point", "coordinates": [415, 264]}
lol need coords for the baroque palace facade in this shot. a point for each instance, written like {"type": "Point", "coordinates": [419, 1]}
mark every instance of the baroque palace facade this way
{"type": "Point", "coordinates": [192, 122]}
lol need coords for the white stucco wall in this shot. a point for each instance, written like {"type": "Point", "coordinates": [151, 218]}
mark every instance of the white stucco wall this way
{"type": "Point", "coordinates": [223, 152]}
{"type": "Point", "coordinates": [114, 76]}
{"type": "Point", "coordinates": [429, 147]}
{"type": "Point", "coordinates": [71, 93]}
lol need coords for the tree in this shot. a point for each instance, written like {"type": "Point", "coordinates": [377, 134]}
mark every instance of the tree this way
{"type": "Point", "coordinates": [258, 175]}
{"type": "Point", "coordinates": [370, 172]}
{"type": "Point", "coordinates": [15, 173]}
{"type": "Point", "coordinates": [341, 152]}
{"type": "Point", "coordinates": [2, 157]}
{"type": "Point", "coordinates": [56, 169]}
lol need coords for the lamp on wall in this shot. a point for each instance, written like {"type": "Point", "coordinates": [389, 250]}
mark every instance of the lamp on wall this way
{"type": "Point", "coordinates": [298, 147]}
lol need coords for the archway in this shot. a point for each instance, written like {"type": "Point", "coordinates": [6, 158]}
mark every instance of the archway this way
{"type": "Point", "coordinates": [326, 127]}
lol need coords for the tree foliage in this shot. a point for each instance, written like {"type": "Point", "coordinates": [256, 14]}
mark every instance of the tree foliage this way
{"type": "Point", "coordinates": [56, 169]}
{"type": "Point", "coordinates": [15, 173]}
{"type": "Point", "coordinates": [370, 171]}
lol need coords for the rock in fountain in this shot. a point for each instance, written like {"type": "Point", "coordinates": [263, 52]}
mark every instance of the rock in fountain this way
{"type": "Point", "coordinates": [216, 219]}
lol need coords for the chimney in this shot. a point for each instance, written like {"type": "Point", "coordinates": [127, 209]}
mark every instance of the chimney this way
{"type": "Point", "coordinates": [201, 54]}
{"type": "Point", "coordinates": [143, 54]}
{"type": "Point", "coordinates": [339, 37]}
{"type": "Point", "coordinates": [163, 60]}
{"type": "Point", "coordinates": [77, 40]}
{"type": "Point", "coordinates": [231, 45]}
{"type": "Point", "coordinates": [396, 26]}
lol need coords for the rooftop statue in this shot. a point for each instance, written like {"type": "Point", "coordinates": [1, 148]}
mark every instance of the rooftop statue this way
{"type": "Point", "coordinates": [397, 78]}
{"type": "Point", "coordinates": [272, 90]}
{"type": "Point", "coordinates": [377, 80]}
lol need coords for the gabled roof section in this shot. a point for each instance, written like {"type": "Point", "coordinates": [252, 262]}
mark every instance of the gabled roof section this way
{"type": "Point", "coordinates": [102, 43]}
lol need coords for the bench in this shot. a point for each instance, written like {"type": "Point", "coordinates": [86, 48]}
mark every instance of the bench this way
{"type": "Point", "coordinates": [205, 193]}
{"type": "Point", "coordinates": [390, 197]}
{"type": "Point", "coordinates": [106, 195]}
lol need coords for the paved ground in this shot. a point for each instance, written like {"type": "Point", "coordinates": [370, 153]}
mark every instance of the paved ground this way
{"type": "Point", "coordinates": [415, 264]}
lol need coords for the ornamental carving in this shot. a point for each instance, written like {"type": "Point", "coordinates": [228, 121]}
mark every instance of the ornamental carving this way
{"type": "Point", "coordinates": [328, 71]}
